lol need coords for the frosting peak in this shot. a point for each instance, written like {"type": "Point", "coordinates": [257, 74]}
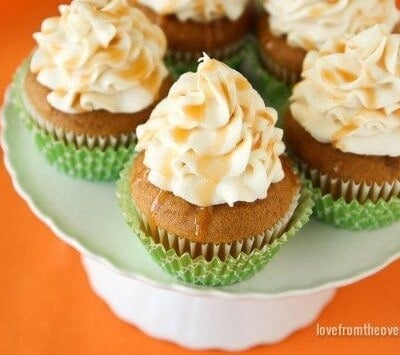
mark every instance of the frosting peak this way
{"type": "Point", "coordinates": [308, 24]}
{"type": "Point", "coordinates": [198, 10]}
{"type": "Point", "coordinates": [350, 95]}
{"type": "Point", "coordinates": [100, 54]}
{"type": "Point", "coordinates": [212, 140]}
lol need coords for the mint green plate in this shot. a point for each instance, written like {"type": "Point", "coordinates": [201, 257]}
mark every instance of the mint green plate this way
{"type": "Point", "coordinates": [86, 216]}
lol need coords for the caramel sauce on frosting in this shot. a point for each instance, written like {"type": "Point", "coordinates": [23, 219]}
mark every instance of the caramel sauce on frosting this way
{"type": "Point", "coordinates": [351, 97]}
{"type": "Point", "coordinates": [308, 24]}
{"type": "Point", "coordinates": [100, 55]}
{"type": "Point", "coordinates": [212, 140]}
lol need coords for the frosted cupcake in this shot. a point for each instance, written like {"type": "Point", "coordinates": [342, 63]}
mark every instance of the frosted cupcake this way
{"type": "Point", "coordinates": [211, 194]}
{"type": "Point", "coordinates": [96, 74]}
{"type": "Point", "coordinates": [218, 27]}
{"type": "Point", "coordinates": [344, 128]}
{"type": "Point", "coordinates": [289, 29]}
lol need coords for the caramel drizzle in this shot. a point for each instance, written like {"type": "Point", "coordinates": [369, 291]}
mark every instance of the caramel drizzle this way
{"type": "Point", "coordinates": [180, 135]}
{"type": "Point", "coordinates": [196, 112]}
{"type": "Point", "coordinates": [155, 205]}
{"type": "Point", "coordinates": [202, 222]}
{"type": "Point", "coordinates": [338, 75]}
{"type": "Point", "coordinates": [344, 131]}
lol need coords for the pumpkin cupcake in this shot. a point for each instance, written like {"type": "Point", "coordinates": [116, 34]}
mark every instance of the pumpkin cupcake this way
{"type": "Point", "coordinates": [96, 74]}
{"type": "Point", "coordinates": [288, 29]}
{"type": "Point", "coordinates": [344, 129]}
{"type": "Point", "coordinates": [210, 193]}
{"type": "Point", "coordinates": [218, 27]}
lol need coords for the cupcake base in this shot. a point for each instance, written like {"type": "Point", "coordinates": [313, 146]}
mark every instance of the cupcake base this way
{"type": "Point", "coordinates": [337, 164]}
{"type": "Point", "coordinates": [204, 270]}
{"type": "Point", "coordinates": [350, 191]}
{"type": "Point", "coordinates": [95, 164]}
{"type": "Point", "coordinates": [79, 156]}
{"type": "Point", "coordinates": [76, 144]}
{"type": "Point", "coordinates": [280, 59]}
{"type": "Point", "coordinates": [189, 39]}
{"type": "Point", "coordinates": [98, 123]}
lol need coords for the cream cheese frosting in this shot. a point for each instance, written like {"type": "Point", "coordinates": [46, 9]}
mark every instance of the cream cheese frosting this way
{"type": "Point", "coordinates": [100, 55]}
{"type": "Point", "coordinates": [198, 10]}
{"type": "Point", "coordinates": [212, 140]}
{"type": "Point", "coordinates": [350, 94]}
{"type": "Point", "coordinates": [308, 24]}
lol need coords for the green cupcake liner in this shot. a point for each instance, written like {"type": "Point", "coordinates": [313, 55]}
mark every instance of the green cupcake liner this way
{"type": "Point", "coordinates": [93, 164]}
{"type": "Point", "coordinates": [247, 61]}
{"type": "Point", "coordinates": [84, 163]}
{"type": "Point", "coordinates": [200, 271]}
{"type": "Point", "coordinates": [354, 215]}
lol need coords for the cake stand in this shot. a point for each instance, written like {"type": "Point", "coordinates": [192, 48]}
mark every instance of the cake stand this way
{"type": "Point", "coordinates": [288, 294]}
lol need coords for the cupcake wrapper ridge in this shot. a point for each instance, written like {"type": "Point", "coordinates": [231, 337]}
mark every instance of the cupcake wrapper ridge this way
{"type": "Point", "coordinates": [350, 205]}
{"type": "Point", "coordinates": [220, 53]}
{"type": "Point", "coordinates": [78, 140]}
{"type": "Point", "coordinates": [288, 77]}
{"type": "Point", "coordinates": [84, 157]}
{"type": "Point", "coordinates": [177, 67]}
{"type": "Point", "coordinates": [350, 190]}
{"type": "Point", "coordinates": [210, 250]}
{"type": "Point", "coordinates": [204, 270]}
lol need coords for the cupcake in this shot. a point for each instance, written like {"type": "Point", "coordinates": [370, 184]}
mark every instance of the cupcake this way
{"type": "Point", "coordinates": [218, 27]}
{"type": "Point", "coordinates": [96, 74]}
{"type": "Point", "coordinates": [344, 129]}
{"type": "Point", "coordinates": [289, 29]}
{"type": "Point", "coordinates": [210, 193]}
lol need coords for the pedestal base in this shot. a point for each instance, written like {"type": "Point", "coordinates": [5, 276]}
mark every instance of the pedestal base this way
{"type": "Point", "coordinates": [204, 322]}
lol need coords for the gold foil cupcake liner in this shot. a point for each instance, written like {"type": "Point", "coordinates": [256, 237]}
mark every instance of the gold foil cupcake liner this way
{"type": "Point", "coordinates": [221, 250]}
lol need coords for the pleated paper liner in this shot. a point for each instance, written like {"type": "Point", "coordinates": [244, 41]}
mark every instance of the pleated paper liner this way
{"type": "Point", "coordinates": [221, 250]}
{"type": "Point", "coordinates": [224, 54]}
{"type": "Point", "coordinates": [354, 206]}
{"type": "Point", "coordinates": [211, 264]}
{"type": "Point", "coordinates": [82, 156]}
{"type": "Point", "coordinates": [182, 62]}
{"type": "Point", "coordinates": [280, 72]}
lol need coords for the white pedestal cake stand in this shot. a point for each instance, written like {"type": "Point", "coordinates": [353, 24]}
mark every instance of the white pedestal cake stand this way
{"type": "Point", "coordinates": [285, 296]}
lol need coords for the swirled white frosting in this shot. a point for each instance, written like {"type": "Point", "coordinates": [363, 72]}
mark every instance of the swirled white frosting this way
{"type": "Point", "coordinates": [198, 10]}
{"type": "Point", "coordinates": [212, 140]}
{"type": "Point", "coordinates": [100, 54]}
{"type": "Point", "coordinates": [308, 24]}
{"type": "Point", "coordinates": [350, 94]}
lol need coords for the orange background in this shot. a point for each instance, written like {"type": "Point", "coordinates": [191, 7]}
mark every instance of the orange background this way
{"type": "Point", "coordinates": [46, 305]}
